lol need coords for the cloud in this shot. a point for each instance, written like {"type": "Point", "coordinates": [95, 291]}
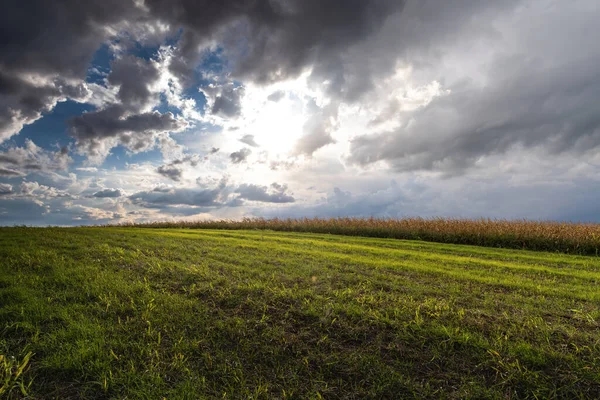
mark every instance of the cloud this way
{"type": "Point", "coordinates": [174, 170]}
{"type": "Point", "coordinates": [135, 78]}
{"type": "Point", "coordinates": [21, 161]}
{"type": "Point", "coordinates": [276, 193]}
{"type": "Point", "coordinates": [7, 172]}
{"type": "Point", "coordinates": [129, 119]}
{"type": "Point", "coordinates": [30, 39]}
{"type": "Point", "coordinates": [276, 96]}
{"type": "Point", "coordinates": [170, 171]}
{"type": "Point", "coordinates": [392, 201]}
{"type": "Point", "coordinates": [97, 132]}
{"type": "Point", "coordinates": [29, 201]}
{"type": "Point", "coordinates": [224, 100]}
{"type": "Point", "coordinates": [38, 191]}
{"type": "Point", "coordinates": [161, 197]}
{"type": "Point", "coordinates": [169, 148]}
{"type": "Point", "coordinates": [335, 92]}
{"type": "Point", "coordinates": [284, 39]}
{"type": "Point", "coordinates": [281, 38]}
{"type": "Point", "coordinates": [108, 193]}
{"type": "Point", "coordinates": [5, 189]}
{"type": "Point", "coordinates": [277, 165]}
{"type": "Point", "coordinates": [45, 54]}
{"type": "Point", "coordinates": [24, 100]}
{"type": "Point", "coordinates": [529, 104]}
{"type": "Point", "coordinates": [317, 131]}
{"type": "Point", "coordinates": [57, 211]}
{"type": "Point", "coordinates": [87, 169]}
{"type": "Point", "coordinates": [213, 194]}
{"type": "Point", "coordinates": [249, 140]}
{"type": "Point", "coordinates": [240, 156]}
{"type": "Point", "coordinates": [80, 213]}
{"type": "Point", "coordinates": [48, 62]}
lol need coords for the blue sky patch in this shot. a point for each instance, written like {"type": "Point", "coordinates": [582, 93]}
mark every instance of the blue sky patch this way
{"type": "Point", "coordinates": [52, 128]}
{"type": "Point", "coordinates": [100, 65]}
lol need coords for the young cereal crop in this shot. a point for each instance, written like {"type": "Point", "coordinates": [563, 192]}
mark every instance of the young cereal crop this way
{"type": "Point", "coordinates": [136, 313]}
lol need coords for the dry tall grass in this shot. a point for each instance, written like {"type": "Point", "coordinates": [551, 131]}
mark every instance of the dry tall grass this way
{"type": "Point", "coordinates": [574, 238]}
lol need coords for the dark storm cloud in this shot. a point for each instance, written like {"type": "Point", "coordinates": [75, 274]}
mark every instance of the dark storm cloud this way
{"type": "Point", "coordinates": [526, 105]}
{"type": "Point", "coordinates": [240, 156]}
{"type": "Point", "coordinates": [127, 122]}
{"type": "Point", "coordinates": [291, 35]}
{"type": "Point", "coordinates": [45, 51]}
{"type": "Point", "coordinates": [280, 38]}
{"type": "Point", "coordinates": [226, 100]}
{"type": "Point", "coordinates": [54, 41]}
{"type": "Point", "coordinates": [108, 193]}
{"type": "Point", "coordinates": [514, 76]}
{"type": "Point", "coordinates": [23, 101]}
{"type": "Point", "coordinates": [134, 76]}
{"type": "Point", "coordinates": [57, 37]}
{"type": "Point", "coordinates": [276, 193]}
{"type": "Point", "coordinates": [135, 131]}
{"type": "Point", "coordinates": [418, 36]}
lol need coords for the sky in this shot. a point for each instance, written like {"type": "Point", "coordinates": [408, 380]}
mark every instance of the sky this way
{"type": "Point", "coordinates": [118, 111]}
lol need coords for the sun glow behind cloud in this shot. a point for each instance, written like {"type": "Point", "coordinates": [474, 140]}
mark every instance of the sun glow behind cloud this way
{"type": "Point", "coordinates": [274, 115]}
{"type": "Point", "coordinates": [277, 126]}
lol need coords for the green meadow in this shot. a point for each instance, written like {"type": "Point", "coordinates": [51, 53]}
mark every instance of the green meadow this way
{"type": "Point", "coordinates": [134, 313]}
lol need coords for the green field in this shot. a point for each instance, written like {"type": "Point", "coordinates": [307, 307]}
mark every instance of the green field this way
{"type": "Point", "coordinates": [150, 314]}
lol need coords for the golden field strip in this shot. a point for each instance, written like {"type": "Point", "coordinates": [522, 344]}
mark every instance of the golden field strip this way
{"type": "Point", "coordinates": [565, 237]}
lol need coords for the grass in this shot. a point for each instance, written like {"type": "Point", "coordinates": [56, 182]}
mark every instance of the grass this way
{"type": "Point", "coordinates": [564, 237]}
{"type": "Point", "coordinates": [102, 313]}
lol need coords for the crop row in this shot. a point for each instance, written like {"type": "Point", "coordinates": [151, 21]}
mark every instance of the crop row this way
{"type": "Point", "coordinates": [564, 237]}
